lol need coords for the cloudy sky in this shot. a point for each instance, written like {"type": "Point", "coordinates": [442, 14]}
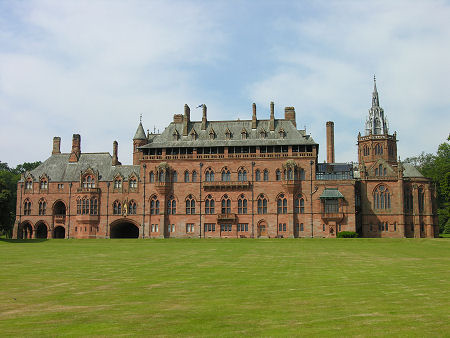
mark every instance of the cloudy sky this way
{"type": "Point", "coordinates": [92, 67]}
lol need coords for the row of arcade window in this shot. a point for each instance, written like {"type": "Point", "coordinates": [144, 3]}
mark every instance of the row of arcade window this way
{"type": "Point", "coordinates": [87, 206]}
{"type": "Point", "coordinates": [132, 183]}
{"type": "Point", "coordinates": [118, 208]}
{"type": "Point", "coordinates": [408, 200]}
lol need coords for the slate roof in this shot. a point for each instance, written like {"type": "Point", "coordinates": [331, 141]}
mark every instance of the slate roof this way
{"type": "Point", "coordinates": [331, 193]}
{"type": "Point", "coordinates": [220, 128]}
{"type": "Point", "coordinates": [140, 133]}
{"type": "Point", "coordinates": [410, 170]}
{"type": "Point", "coordinates": [58, 168]}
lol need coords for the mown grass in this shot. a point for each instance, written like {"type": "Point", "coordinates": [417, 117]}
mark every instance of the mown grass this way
{"type": "Point", "coordinates": [336, 287]}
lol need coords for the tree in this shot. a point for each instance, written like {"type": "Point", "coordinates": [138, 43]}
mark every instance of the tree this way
{"type": "Point", "coordinates": [8, 193]}
{"type": "Point", "coordinates": [437, 167]}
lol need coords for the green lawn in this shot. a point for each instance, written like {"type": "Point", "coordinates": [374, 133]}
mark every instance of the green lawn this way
{"type": "Point", "coordinates": [397, 287]}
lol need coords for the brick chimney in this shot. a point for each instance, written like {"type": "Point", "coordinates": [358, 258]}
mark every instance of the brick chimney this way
{"type": "Point", "coordinates": [289, 114]}
{"type": "Point", "coordinates": [204, 117]}
{"type": "Point", "coordinates": [115, 158]}
{"type": "Point", "coordinates": [254, 116]}
{"type": "Point", "coordinates": [186, 119]}
{"type": "Point", "coordinates": [76, 148]}
{"type": "Point", "coordinates": [272, 117]}
{"type": "Point", "coordinates": [330, 142]}
{"type": "Point", "coordinates": [56, 145]}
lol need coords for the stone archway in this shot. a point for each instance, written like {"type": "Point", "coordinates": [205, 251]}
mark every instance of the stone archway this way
{"type": "Point", "coordinates": [59, 232]}
{"type": "Point", "coordinates": [41, 230]}
{"type": "Point", "coordinates": [25, 231]}
{"type": "Point", "coordinates": [124, 229]}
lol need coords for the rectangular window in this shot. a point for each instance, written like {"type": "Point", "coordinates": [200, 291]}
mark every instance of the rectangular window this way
{"type": "Point", "coordinates": [331, 206]}
{"type": "Point", "coordinates": [242, 227]}
{"type": "Point", "coordinates": [284, 226]}
{"type": "Point", "coordinates": [301, 227]}
{"type": "Point", "coordinates": [189, 227]}
{"type": "Point", "coordinates": [323, 227]}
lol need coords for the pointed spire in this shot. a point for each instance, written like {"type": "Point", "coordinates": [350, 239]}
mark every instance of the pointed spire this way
{"type": "Point", "coordinates": [140, 133]}
{"type": "Point", "coordinates": [375, 100]}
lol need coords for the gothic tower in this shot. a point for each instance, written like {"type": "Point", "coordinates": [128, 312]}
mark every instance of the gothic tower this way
{"type": "Point", "coordinates": [376, 143]}
{"type": "Point", "coordinates": [139, 139]}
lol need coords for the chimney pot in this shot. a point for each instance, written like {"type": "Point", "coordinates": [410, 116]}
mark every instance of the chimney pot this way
{"type": "Point", "coordinates": [330, 142]}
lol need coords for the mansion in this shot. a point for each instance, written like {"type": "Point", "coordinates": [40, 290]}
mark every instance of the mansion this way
{"type": "Point", "coordinates": [235, 179]}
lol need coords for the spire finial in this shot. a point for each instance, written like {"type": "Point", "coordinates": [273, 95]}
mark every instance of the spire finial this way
{"type": "Point", "coordinates": [140, 118]}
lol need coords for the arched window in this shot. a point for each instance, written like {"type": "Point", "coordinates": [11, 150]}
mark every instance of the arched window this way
{"type": "Point", "coordinates": [171, 206]}
{"type": "Point", "coordinates": [257, 175]}
{"type": "Point", "coordinates": [299, 205]}
{"type": "Point", "coordinates": [152, 177]}
{"type": "Point", "coordinates": [381, 198]}
{"type": "Point", "coordinates": [408, 200]}
{"type": "Point", "coordinates": [194, 176]}
{"type": "Point", "coordinates": [88, 182]}
{"type": "Point", "coordinates": [42, 207]}
{"type": "Point", "coordinates": [154, 206]}
{"type": "Point", "coordinates": [226, 175]}
{"type": "Point", "coordinates": [262, 204]}
{"type": "Point", "coordinates": [118, 183]}
{"type": "Point", "coordinates": [43, 184]}
{"type": "Point", "coordinates": [366, 151]}
{"type": "Point", "coordinates": [242, 205]}
{"type": "Point", "coordinates": [266, 175]}
{"type": "Point", "coordinates": [186, 176]}
{"type": "Point", "coordinates": [190, 205]}
{"type": "Point", "coordinates": [209, 175]}
{"type": "Point", "coordinates": [117, 208]}
{"type": "Point", "coordinates": [93, 206]}
{"type": "Point", "coordinates": [226, 205]}
{"type": "Point", "coordinates": [380, 170]}
{"type": "Point", "coordinates": [421, 199]}
{"type": "Point", "coordinates": [209, 205]}
{"type": "Point", "coordinates": [302, 174]}
{"type": "Point", "coordinates": [378, 149]}
{"type": "Point", "coordinates": [161, 176]}
{"type": "Point", "coordinates": [78, 206]}
{"type": "Point", "coordinates": [29, 184]}
{"type": "Point", "coordinates": [242, 175]}
{"type": "Point", "coordinates": [282, 204]}
{"type": "Point", "coordinates": [27, 207]}
{"type": "Point", "coordinates": [132, 208]}
{"type": "Point", "coordinates": [278, 175]}
{"type": "Point", "coordinates": [132, 183]}
{"type": "Point", "coordinates": [174, 176]}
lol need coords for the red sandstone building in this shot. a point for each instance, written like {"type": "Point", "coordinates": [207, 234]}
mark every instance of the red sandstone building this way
{"type": "Point", "coordinates": [244, 178]}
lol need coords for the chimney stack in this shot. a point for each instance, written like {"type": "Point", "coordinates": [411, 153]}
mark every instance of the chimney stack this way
{"type": "Point", "coordinates": [330, 142]}
{"type": "Point", "coordinates": [56, 145]}
{"type": "Point", "coordinates": [254, 116]}
{"type": "Point", "coordinates": [289, 114]}
{"type": "Point", "coordinates": [76, 148]}
{"type": "Point", "coordinates": [186, 119]}
{"type": "Point", "coordinates": [272, 117]}
{"type": "Point", "coordinates": [204, 117]}
{"type": "Point", "coordinates": [115, 158]}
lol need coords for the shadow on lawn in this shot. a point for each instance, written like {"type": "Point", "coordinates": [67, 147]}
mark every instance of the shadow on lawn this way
{"type": "Point", "coordinates": [31, 241]}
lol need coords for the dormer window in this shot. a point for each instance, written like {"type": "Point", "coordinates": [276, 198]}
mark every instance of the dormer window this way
{"type": "Point", "coordinates": [228, 134]}
{"type": "Point", "coordinates": [282, 133]}
{"type": "Point", "coordinates": [118, 183]}
{"type": "Point", "coordinates": [262, 133]}
{"type": "Point", "coordinates": [176, 135]}
{"type": "Point", "coordinates": [43, 184]}
{"type": "Point", "coordinates": [89, 181]}
{"type": "Point", "coordinates": [244, 134]}
{"type": "Point", "coordinates": [29, 184]}
{"type": "Point", "coordinates": [132, 183]}
{"type": "Point", "coordinates": [194, 134]}
{"type": "Point", "coordinates": [212, 134]}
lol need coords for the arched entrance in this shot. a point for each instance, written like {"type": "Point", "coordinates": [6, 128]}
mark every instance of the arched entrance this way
{"type": "Point", "coordinates": [59, 208]}
{"type": "Point", "coordinates": [59, 232]}
{"type": "Point", "coordinates": [25, 231]}
{"type": "Point", "coordinates": [41, 230]}
{"type": "Point", "coordinates": [124, 229]}
{"type": "Point", "coordinates": [262, 229]}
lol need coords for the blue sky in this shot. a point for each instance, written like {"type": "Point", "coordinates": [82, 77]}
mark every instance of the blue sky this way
{"type": "Point", "coordinates": [92, 67]}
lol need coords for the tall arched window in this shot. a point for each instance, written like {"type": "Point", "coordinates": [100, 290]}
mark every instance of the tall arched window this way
{"type": "Point", "coordinates": [408, 200]}
{"type": "Point", "coordinates": [257, 175]}
{"type": "Point", "coordinates": [186, 176]}
{"type": "Point", "coordinates": [242, 205]}
{"type": "Point", "coordinates": [117, 208]}
{"type": "Point", "coordinates": [78, 206]}
{"type": "Point", "coordinates": [161, 177]}
{"type": "Point", "coordinates": [378, 149]}
{"type": "Point", "coordinates": [132, 207]}
{"type": "Point", "coordinates": [381, 198]}
{"type": "Point", "coordinates": [174, 176]}
{"type": "Point", "coordinates": [42, 207]}
{"type": "Point", "coordinates": [282, 204]}
{"type": "Point", "coordinates": [171, 206]}
{"type": "Point", "coordinates": [152, 177]}
{"type": "Point", "coordinates": [242, 175]}
{"type": "Point", "coordinates": [226, 175]}
{"type": "Point", "coordinates": [266, 175]}
{"type": "Point", "coordinates": [27, 207]}
{"type": "Point", "coordinates": [226, 205]}
{"type": "Point", "coordinates": [262, 204]}
{"type": "Point", "coordinates": [278, 175]}
{"type": "Point", "coordinates": [190, 205]}
{"type": "Point", "coordinates": [154, 206]}
{"type": "Point", "coordinates": [421, 199]}
{"type": "Point", "coordinates": [209, 175]}
{"type": "Point", "coordinates": [290, 174]}
{"type": "Point", "coordinates": [194, 176]}
{"type": "Point", "coordinates": [209, 205]}
{"type": "Point", "coordinates": [93, 206]}
{"type": "Point", "coordinates": [299, 205]}
{"type": "Point", "coordinates": [88, 181]}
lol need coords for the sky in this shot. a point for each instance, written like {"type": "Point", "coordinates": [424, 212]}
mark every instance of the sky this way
{"type": "Point", "coordinates": [93, 67]}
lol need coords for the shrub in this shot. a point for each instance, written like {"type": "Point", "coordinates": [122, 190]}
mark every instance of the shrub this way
{"type": "Point", "coordinates": [347, 234]}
